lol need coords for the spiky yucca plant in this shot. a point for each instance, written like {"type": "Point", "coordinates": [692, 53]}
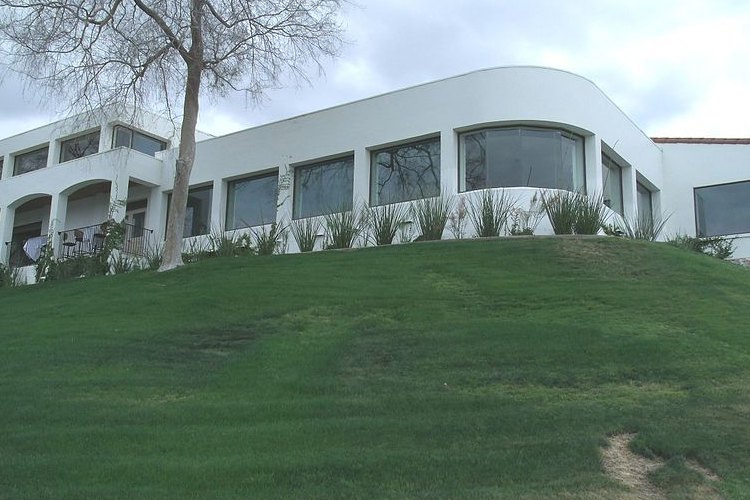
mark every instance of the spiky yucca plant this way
{"type": "Point", "coordinates": [431, 216]}
{"type": "Point", "coordinates": [384, 222]}
{"type": "Point", "coordinates": [343, 228]}
{"type": "Point", "coordinates": [489, 214]}
{"type": "Point", "coordinates": [305, 233]}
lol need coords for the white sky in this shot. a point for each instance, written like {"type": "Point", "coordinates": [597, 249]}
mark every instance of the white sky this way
{"type": "Point", "coordinates": [677, 67]}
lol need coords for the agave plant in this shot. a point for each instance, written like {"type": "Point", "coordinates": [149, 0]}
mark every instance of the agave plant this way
{"type": "Point", "coordinates": [305, 233]}
{"type": "Point", "coordinates": [489, 214]}
{"type": "Point", "coordinates": [384, 222]}
{"type": "Point", "coordinates": [343, 228]}
{"type": "Point", "coordinates": [643, 228]}
{"type": "Point", "coordinates": [270, 239]}
{"type": "Point", "coordinates": [431, 216]}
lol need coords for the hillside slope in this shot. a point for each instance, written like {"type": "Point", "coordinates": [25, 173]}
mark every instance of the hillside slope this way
{"type": "Point", "coordinates": [469, 369]}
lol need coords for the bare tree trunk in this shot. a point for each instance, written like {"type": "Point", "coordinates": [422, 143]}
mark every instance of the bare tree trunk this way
{"type": "Point", "coordinates": [172, 257]}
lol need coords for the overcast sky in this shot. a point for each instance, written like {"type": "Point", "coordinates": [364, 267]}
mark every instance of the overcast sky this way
{"type": "Point", "coordinates": [677, 67]}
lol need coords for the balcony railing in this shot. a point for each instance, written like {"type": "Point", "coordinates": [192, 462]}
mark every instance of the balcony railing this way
{"type": "Point", "coordinates": [89, 240]}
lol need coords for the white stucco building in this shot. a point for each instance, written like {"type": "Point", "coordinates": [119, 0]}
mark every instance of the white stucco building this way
{"type": "Point", "coordinates": [517, 128]}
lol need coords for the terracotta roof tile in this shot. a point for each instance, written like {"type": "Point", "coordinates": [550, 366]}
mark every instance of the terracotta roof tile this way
{"type": "Point", "coordinates": [700, 140]}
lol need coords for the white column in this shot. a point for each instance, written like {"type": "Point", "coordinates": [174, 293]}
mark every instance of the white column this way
{"type": "Point", "coordinates": [629, 199]}
{"type": "Point", "coordinates": [7, 167]}
{"type": "Point", "coordinates": [218, 204]}
{"type": "Point", "coordinates": [118, 194]}
{"type": "Point", "coordinates": [156, 210]}
{"type": "Point", "coordinates": [593, 162]}
{"type": "Point", "coordinates": [449, 162]}
{"type": "Point", "coordinates": [361, 179]}
{"type": "Point", "coordinates": [7, 214]}
{"type": "Point", "coordinates": [286, 190]}
{"type": "Point", "coordinates": [57, 214]}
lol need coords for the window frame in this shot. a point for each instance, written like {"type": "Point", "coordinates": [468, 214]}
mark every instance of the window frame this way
{"type": "Point", "coordinates": [621, 191]}
{"type": "Point", "coordinates": [133, 133]}
{"type": "Point", "coordinates": [201, 187]}
{"type": "Point", "coordinates": [252, 177]}
{"type": "Point", "coordinates": [26, 153]}
{"type": "Point", "coordinates": [375, 170]}
{"type": "Point", "coordinates": [641, 186]}
{"type": "Point", "coordinates": [98, 132]}
{"type": "Point", "coordinates": [565, 132]}
{"type": "Point", "coordinates": [319, 164]}
{"type": "Point", "coordinates": [695, 209]}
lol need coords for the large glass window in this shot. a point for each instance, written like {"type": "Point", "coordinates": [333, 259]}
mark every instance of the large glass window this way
{"type": "Point", "coordinates": [723, 209]}
{"type": "Point", "coordinates": [405, 172]}
{"type": "Point", "coordinates": [28, 162]}
{"type": "Point", "coordinates": [252, 202]}
{"type": "Point", "coordinates": [645, 203]}
{"type": "Point", "coordinates": [521, 156]}
{"type": "Point", "coordinates": [125, 137]}
{"type": "Point", "coordinates": [323, 187]}
{"type": "Point", "coordinates": [78, 147]}
{"type": "Point", "coordinates": [198, 211]}
{"type": "Point", "coordinates": [612, 184]}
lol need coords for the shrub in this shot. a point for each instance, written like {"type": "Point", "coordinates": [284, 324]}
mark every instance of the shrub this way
{"type": "Point", "coordinates": [153, 256]}
{"type": "Point", "coordinates": [195, 251]}
{"type": "Point", "coordinates": [524, 222]}
{"type": "Point", "coordinates": [590, 215]}
{"type": "Point", "coordinates": [489, 214]}
{"type": "Point", "coordinates": [270, 240]}
{"type": "Point", "coordinates": [384, 222]}
{"type": "Point", "coordinates": [305, 233]}
{"type": "Point", "coordinates": [457, 219]}
{"type": "Point", "coordinates": [227, 244]}
{"type": "Point", "coordinates": [122, 264]}
{"type": "Point", "coordinates": [9, 276]}
{"type": "Point", "coordinates": [715, 246]}
{"type": "Point", "coordinates": [431, 216]}
{"type": "Point", "coordinates": [642, 228]}
{"type": "Point", "coordinates": [343, 228]}
{"type": "Point", "coordinates": [574, 213]}
{"type": "Point", "coordinates": [560, 208]}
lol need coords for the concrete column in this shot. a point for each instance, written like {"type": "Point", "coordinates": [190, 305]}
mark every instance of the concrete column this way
{"type": "Point", "coordinates": [118, 194]}
{"type": "Point", "coordinates": [218, 206]}
{"type": "Point", "coordinates": [53, 153]}
{"type": "Point", "coordinates": [57, 214]}
{"type": "Point", "coordinates": [286, 190]}
{"type": "Point", "coordinates": [593, 161]}
{"type": "Point", "coordinates": [629, 199]}
{"type": "Point", "coordinates": [449, 162]}
{"type": "Point", "coordinates": [7, 167]}
{"type": "Point", "coordinates": [156, 213]}
{"type": "Point", "coordinates": [361, 180]}
{"type": "Point", "coordinates": [7, 214]}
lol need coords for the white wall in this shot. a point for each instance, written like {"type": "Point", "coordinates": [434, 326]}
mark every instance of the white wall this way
{"type": "Point", "coordinates": [687, 166]}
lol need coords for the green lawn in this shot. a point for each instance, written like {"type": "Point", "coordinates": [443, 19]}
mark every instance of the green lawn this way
{"type": "Point", "coordinates": [471, 369]}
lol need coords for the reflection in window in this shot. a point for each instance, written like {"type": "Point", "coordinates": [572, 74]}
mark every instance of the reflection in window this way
{"type": "Point", "coordinates": [252, 202]}
{"type": "Point", "coordinates": [512, 157]}
{"type": "Point", "coordinates": [645, 203]}
{"type": "Point", "coordinates": [33, 160]}
{"type": "Point", "coordinates": [128, 138]}
{"type": "Point", "coordinates": [405, 172]}
{"type": "Point", "coordinates": [323, 187]}
{"type": "Point", "coordinates": [197, 212]}
{"type": "Point", "coordinates": [78, 147]}
{"type": "Point", "coordinates": [612, 184]}
{"type": "Point", "coordinates": [723, 209]}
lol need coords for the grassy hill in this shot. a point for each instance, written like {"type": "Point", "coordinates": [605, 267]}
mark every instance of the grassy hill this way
{"type": "Point", "coordinates": [469, 369]}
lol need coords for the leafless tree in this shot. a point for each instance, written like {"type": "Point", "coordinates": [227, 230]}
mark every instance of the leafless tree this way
{"type": "Point", "coordinates": [111, 52]}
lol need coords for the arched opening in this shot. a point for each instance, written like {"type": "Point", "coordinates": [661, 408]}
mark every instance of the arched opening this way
{"type": "Point", "coordinates": [29, 235]}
